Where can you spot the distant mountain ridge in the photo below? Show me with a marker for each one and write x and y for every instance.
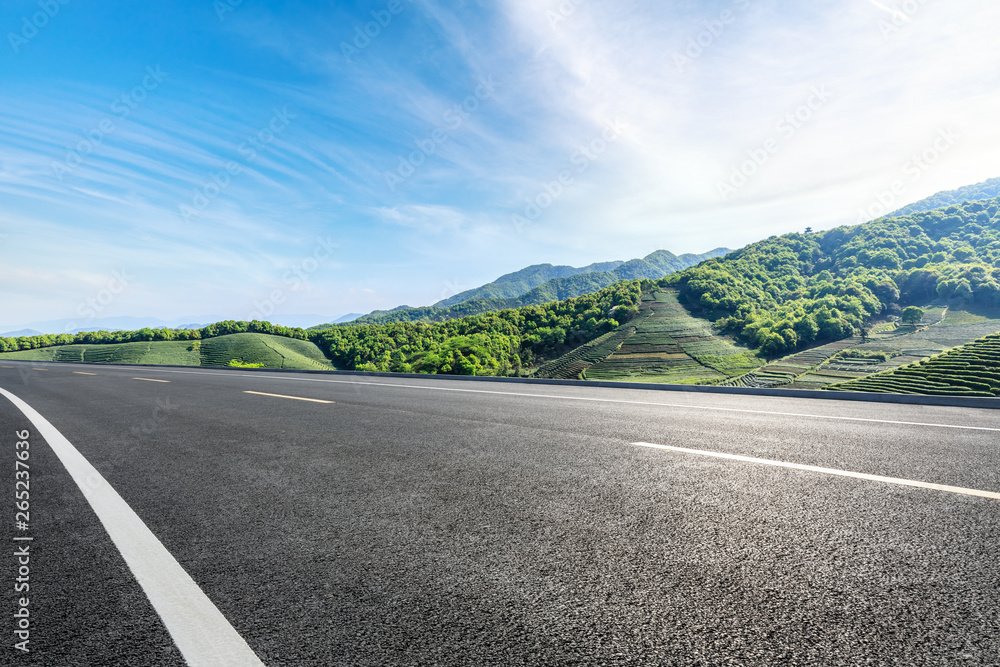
(570, 282)
(988, 189)
(515, 284)
(519, 283)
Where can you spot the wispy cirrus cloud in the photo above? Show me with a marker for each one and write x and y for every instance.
(692, 116)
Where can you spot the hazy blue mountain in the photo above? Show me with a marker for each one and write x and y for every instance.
(654, 266)
(520, 282)
(21, 332)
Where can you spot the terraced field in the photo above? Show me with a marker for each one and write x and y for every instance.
(174, 353)
(669, 345)
(572, 365)
(247, 348)
(793, 368)
(271, 351)
(940, 330)
(969, 370)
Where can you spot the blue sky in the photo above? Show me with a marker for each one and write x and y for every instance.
(230, 159)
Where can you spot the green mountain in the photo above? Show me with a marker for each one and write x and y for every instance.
(576, 282)
(519, 283)
(988, 189)
(515, 284)
(785, 292)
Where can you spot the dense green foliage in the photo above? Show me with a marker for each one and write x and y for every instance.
(986, 190)
(497, 343)
(970, 370)
(912, 315)
(786, 292)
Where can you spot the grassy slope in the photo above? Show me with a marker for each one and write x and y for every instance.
(177, 353)
(272, 351)
(664, 344)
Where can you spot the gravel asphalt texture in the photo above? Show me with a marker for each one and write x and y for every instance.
(436, 522)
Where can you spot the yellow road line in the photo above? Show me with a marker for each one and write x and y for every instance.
(150, 380)
(294, 398)
(82, 373)
(828, 471)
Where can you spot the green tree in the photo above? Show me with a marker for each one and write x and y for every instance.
(912, 315)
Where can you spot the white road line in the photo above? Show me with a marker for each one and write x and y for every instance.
(294, 398)
(827, 471)
(149, 380)
(599, 400)
(203, 635)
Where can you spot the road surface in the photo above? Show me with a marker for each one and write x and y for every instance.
(393, 521)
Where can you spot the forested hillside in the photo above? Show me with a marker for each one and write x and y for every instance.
(496, 343)
(989, 189)
(786, 292)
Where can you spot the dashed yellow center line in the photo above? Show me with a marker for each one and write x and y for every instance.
(151, 380)
(82, 373)
(6, 367)
(40, 369)
(294, 398)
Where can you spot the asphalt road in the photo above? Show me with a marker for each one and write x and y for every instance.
(437, 522)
